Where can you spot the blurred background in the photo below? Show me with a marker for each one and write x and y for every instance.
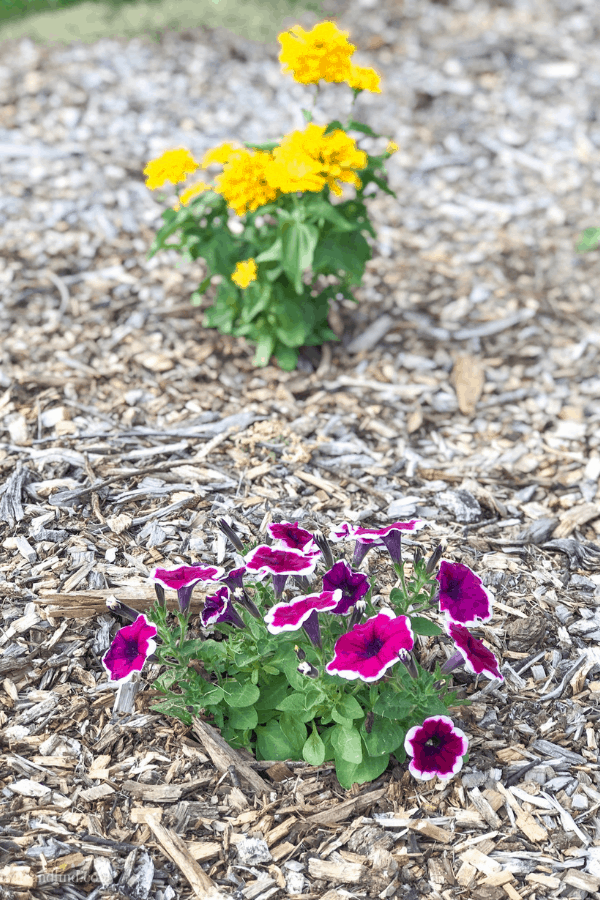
(91, 20)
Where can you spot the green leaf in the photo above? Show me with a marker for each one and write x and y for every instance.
(268, 145)
(368, 769)
(298, 704)
(390, 705)
(256, 301)
(396, 596)
(347, 744)
(287, 357)
(358, 126)
(294, 730)
(239, 695)
(420, 625)
(271, 254)
(349, 707)
(434, 707)
(588, 240)
(264, 349)
(273, 693)
(298, 246)
(307, 115)
(241, 719)
(340, 719)
(384, 736)
(337, 252)
(314, 748)
(271, 742)
(321, 208)
(333, 126)
(293, 322)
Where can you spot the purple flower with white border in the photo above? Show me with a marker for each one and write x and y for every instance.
(183, 579)
(292, 537)
(129, 650)
(437, 748)
(462, 595)
(280, 563)
(476, 657)
(302, 611)
(219, 608)
(390, 536)
(370, 649)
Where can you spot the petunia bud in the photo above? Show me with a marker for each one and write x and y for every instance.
(230, 533)
(357, 613)
(435, 557)
(117, 606)
(323, 545)
(160, 593)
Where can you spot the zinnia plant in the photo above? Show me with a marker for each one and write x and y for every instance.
(288, 232)
(317, 674)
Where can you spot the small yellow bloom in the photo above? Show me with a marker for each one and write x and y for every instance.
(190, 192)
(218, 155)
(324, 52)
(172, 166)
(392, 147)
(364, 79)
(245, 272)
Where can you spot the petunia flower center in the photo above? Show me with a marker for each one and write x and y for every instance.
(373, 647)
(452, 588)
(433, 742)
(131, 651)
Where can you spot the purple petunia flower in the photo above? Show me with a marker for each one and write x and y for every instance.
(366, 538)
(302, 611)
(129, 650)
(219, 608)
(371, 648)
(462, 594)
(437, 748)
(184, 579)
(353, 585)
(476, 656)
(292, 537)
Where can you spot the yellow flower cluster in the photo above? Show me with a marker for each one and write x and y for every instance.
(304, 160)
(245, 272)
(307, 161)
(323, 53)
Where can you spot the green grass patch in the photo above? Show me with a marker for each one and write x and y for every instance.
(65, 21)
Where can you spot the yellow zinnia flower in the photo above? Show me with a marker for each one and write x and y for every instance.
(323, 52)
(392, 147)
(190, 192)
(307, 160)
(245, 272)
(172, 166)
(364, 79)
(244, 182)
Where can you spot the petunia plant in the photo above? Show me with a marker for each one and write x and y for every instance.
(289, 670)
(266, 226)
